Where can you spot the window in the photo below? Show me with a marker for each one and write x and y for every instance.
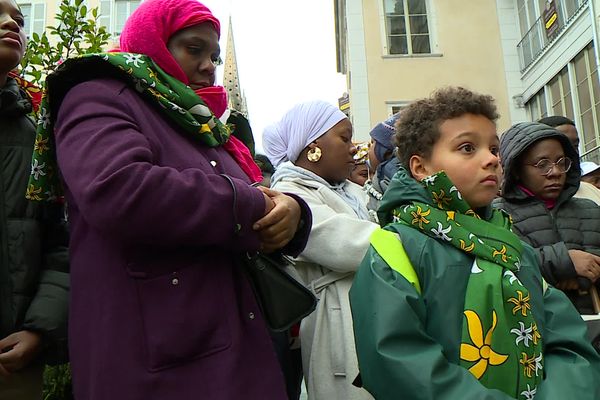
(537, 106)
(588, 97)
(122, 11)
(35, 18)
(114, 13)
(394, 107)
(574, 93)
(407, 29)
(561, 100)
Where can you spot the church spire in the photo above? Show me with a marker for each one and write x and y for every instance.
(231, 79)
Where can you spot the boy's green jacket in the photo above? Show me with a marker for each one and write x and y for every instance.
(408, 335)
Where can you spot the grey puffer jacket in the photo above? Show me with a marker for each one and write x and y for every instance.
(573, 223)
(34, 279)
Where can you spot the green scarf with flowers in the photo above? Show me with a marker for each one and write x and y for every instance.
(173, 98)
(501, 345)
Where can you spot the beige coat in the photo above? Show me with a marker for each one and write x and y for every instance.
(336, 246)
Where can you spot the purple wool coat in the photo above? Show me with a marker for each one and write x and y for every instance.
(158, 308)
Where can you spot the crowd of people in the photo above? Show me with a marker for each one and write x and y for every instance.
(449, 262)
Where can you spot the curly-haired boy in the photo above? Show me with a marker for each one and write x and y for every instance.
(448, 303)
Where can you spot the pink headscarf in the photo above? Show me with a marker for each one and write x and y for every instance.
(148, 30)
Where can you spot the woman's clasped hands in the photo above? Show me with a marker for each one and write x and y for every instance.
(280, 222)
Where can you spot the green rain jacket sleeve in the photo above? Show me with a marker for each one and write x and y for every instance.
(397, 358)
(571, 365)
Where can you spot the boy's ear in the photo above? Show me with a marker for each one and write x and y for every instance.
(417, 166)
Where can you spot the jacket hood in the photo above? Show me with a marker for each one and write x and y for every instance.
(404, 189)
(515, 141)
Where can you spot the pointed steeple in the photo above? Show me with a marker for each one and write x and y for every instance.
(231, 79)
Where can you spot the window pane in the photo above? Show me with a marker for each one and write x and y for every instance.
(569, 113)
(399, 7)
(531, 11)
(533, 108)
(416, 7)
(418, 25)
(589, 140)
(554, 91)
(595, 87)
(580, 68)
(523, 23)
(543, 106)
(120, 15)
(397, 26)
(39, 18)
(564, 77)
(585, 102)
(420, 44)
(398, 45)
(26, 10)
(393, 6)
(570, 7)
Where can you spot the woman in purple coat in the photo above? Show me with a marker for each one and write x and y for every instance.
(159, 307)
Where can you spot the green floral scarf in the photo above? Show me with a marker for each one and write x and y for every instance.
(173, 98)
(501, 345)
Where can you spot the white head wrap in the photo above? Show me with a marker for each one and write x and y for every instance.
(299, 127)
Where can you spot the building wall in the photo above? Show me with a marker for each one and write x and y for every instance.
(466, 50)
(42, 13)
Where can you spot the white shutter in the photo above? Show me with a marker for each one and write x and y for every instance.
(26, 10)
(38, 20)
(105, 12)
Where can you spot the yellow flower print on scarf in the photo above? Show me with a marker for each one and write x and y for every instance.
(441, 199)
(501, 253)
(419, 217)
(40, 145)
(33, 193)
(480, 351)
(531, 365)
(521, 303)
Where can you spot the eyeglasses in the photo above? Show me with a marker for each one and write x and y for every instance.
(545, 166)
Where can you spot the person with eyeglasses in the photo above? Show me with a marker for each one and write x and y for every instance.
(541, 175)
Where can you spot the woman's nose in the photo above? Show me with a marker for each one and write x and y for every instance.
(8, 23)
(208, 66)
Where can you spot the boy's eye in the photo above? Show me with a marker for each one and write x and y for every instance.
(20, 21)
(217, 60)
(467, 148)
(495, 151)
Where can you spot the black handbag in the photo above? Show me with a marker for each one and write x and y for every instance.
(283, 300)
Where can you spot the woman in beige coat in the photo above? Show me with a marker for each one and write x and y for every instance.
(312, 150)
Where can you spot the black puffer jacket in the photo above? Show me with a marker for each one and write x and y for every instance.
(573, 223)
(34, 280)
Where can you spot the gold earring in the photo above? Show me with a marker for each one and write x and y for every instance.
(314, 154)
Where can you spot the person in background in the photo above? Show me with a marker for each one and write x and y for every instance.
(312, 150)
(34, 266)
(541, 175)
(161, 210)
(360, 172)
(590, 173)
(448, 303)
(382, 162)
(266, 168)
(565, 125)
